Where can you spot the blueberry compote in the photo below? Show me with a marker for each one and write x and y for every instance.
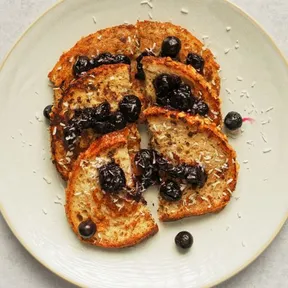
(173, 93)
(151, 164)
(84, 63)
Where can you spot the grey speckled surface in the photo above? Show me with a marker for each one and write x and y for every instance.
(19, 269)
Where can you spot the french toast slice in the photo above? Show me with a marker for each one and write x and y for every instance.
(154, 67)
(120, 39)
(120, 220)
(105, 84)
(187, 139)
(152, 34)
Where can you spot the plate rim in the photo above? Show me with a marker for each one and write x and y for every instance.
(74, 282)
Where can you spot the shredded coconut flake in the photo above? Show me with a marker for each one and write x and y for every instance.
(94, 19)
(184, 11)
(47, 180)
(150, 15)
(230, 99)
(228, 28)
(253, 84)
(229, 181)
(245, 161)
(239, 78)
(237, 46)
(226, 51)
(228, 90)
(44, 211)
(267, 150)
(269, 109)
(264, 137)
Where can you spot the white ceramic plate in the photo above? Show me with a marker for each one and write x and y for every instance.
(224, 243)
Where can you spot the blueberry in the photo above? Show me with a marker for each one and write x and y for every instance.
(87, 229)
(233, 120)
(47, 111)
(103, 127)
(140, 75)
(179, 171)
(101, 112)
(118, 120)
(196, 176)
(148, 178)
(81, 65)
(161, 163)
(108, 58)
(120, 58)
(112, 178)
(130, 106)
(165, 83)
(201, 108)
(144, 159)
(104, 59)
(184, 240)
(170, 191)
(195, 61)
(170, 47)
(181, 98)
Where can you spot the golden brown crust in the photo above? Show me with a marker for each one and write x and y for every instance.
(135, 214)
(151, 35)
(200, 88)
(209, 203)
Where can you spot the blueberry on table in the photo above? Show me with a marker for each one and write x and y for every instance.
(184, 240)
(233, 121)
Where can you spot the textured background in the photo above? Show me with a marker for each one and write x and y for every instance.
(19, 269)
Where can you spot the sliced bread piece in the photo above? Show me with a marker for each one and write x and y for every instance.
(105, 84)
(191, 140)
(120, 221)
(154, 67)
(152, 34)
